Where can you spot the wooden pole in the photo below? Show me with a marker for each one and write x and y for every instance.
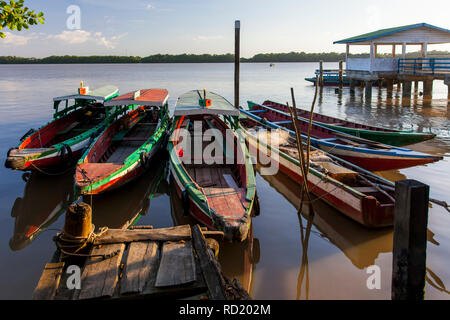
(237, 31)
(341, 73)
(410, 240)
(321, 73)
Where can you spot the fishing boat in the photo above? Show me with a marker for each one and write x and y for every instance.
(330, 78)
(61, 142)
(216, 181)
(365, 153)
(123, 151)
(355, 192)
(384, 135)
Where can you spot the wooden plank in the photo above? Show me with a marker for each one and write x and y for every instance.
(100, 275)
(142, 258)
(49, 282)
(177, 265)
(166, 234)
(209, 266)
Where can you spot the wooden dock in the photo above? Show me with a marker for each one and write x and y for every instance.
(140, 263)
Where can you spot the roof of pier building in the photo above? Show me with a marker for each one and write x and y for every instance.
(411, 34)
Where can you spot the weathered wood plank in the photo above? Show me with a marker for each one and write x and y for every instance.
(142, 258)
(49, 281)
(177, 265)
(209, 266)
(100, 275)
(165, 234)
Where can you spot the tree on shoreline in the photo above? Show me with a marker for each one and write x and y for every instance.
(15, 16)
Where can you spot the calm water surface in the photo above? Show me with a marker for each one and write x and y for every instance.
(287, 257)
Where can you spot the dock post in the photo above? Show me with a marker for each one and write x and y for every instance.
(352, 86)
(447, 82)
(341, 73)
(78, 223)
(427, 89)
(410, 240)
(368, 89)
(406, 89)
(237, 49)
(389, 87)
(416, 88)
(321, 73)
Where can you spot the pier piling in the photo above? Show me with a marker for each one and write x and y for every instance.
(368, 89)
(410, 240)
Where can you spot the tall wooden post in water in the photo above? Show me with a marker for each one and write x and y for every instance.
(237, 49)
(410, 240)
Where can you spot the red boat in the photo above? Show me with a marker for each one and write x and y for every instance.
(365, 153)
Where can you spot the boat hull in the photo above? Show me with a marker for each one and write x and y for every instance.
(361, 208)
(383, 135)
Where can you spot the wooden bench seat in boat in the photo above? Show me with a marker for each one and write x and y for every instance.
(96, 170)
(337, 172)
(366, 189)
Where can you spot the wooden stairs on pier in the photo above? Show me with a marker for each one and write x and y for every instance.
(143, 263)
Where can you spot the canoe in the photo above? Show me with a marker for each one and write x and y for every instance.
(61, 142)
(123, 151)
(365, 153)
(384, 135)
(215, 180)
(357, 193)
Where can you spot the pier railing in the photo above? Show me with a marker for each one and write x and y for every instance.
(431, 66)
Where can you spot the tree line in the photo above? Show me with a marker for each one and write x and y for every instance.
(203, 58)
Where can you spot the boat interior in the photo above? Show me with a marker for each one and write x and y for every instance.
(322, 162)
(127, 135)
(67, 127)
(217, 171)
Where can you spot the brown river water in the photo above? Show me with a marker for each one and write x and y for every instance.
(287, 256)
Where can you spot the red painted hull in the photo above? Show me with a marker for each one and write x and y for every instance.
(381, 164)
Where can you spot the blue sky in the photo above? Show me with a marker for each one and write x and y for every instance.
(145, 27)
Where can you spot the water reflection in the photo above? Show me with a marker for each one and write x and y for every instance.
(122, 208)
(362, 246)
(45, 198)
(237, 259)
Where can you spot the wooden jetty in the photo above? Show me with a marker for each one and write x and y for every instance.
(397, 68)
(142, 263)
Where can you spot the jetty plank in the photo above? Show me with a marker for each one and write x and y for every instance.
(100, 275)
(177, 265)
(143, 257)
(49, 282)
(208, 264)
(164, 234)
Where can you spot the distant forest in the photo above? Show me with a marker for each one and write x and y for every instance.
(202, 58)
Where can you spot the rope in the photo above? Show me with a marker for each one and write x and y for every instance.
(82, 242)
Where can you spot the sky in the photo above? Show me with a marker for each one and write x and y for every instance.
(146, 27)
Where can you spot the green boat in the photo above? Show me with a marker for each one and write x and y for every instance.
(62, 141)
(384, 135)
(124, 150)
(210, 164)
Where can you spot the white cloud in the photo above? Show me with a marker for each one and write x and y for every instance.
(149, 6)
(12, 39)
(207, 38)
(81, 36)
(72, 37)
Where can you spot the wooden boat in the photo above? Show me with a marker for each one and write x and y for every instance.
(123, 151)
(62, 141)
(330, 78)
(362, 152)
(353, 191)
(218, 189)
(384, 135)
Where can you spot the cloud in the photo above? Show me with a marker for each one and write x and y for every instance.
(149, 6)
(81, 36)
(207, 38)
(12, 39)
(72, 37)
